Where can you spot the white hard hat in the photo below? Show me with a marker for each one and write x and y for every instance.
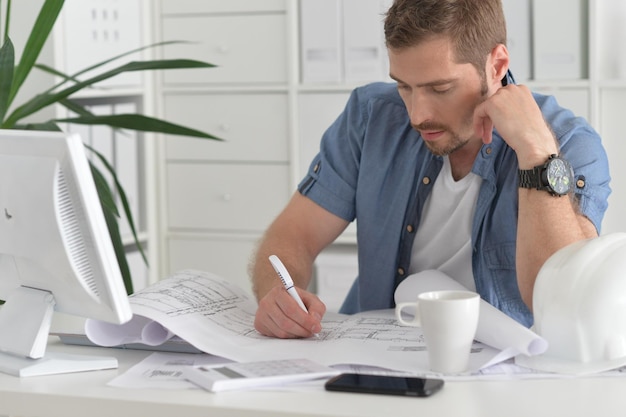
(579, 305)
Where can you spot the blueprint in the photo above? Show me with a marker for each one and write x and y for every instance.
(217, 317)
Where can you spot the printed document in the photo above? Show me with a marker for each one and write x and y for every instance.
(217, 317)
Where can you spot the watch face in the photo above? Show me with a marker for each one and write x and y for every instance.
(560, 176)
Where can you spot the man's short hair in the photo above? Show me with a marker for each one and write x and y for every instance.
(475, 27)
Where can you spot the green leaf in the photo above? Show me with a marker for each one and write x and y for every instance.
(50, 70)
(104, 191)
(138, 122)
(49, 126)
(75, 107)
(43, 100)
(120, 251)
(123, 199)
(38, 36)
(111, 216)
(74, 76)
(7, 63)
(7, 21)
(115, 58)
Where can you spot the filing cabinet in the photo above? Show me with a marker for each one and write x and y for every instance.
(219, 196)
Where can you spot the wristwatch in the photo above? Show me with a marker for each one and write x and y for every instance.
(555, 176)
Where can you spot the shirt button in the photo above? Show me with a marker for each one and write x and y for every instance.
(489, 150)
(426, 180)
(409, 228)
(580, 183)
(401, 271)
(316, 168)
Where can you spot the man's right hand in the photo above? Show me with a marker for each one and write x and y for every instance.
(279, 315)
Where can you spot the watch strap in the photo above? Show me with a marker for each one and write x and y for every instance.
(530, 178)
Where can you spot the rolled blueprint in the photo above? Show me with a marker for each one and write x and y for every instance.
(495, 328)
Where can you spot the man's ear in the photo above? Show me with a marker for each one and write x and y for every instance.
(497, 63)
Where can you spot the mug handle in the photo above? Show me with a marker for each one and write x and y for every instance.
(416, 319)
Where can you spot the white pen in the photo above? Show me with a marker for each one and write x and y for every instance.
(286, 279)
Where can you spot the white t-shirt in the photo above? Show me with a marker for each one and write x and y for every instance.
(443, 238)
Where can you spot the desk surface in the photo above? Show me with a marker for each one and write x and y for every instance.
(86, 394)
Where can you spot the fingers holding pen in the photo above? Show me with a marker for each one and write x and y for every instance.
(279, 315)
(270, 319)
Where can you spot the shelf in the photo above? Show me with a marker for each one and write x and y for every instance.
(98, 93)
(327, 88)
(557, 83)
(223, 88)
(129, 241)
(201, 235)
(621, 83)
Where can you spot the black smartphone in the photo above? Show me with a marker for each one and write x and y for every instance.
(382, 384)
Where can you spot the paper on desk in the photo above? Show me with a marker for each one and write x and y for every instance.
(138, 330)
(495, 328)
(187, 303)
(164, 371)
(217, 317)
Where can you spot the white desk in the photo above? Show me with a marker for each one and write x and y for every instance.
(86, 394)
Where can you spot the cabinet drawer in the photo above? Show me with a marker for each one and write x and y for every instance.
(173, 7)
(227, 257)
(254, 55)
(317, 113)
(223, 197)
(254, 126)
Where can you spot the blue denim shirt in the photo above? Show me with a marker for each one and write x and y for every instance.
(373, 167)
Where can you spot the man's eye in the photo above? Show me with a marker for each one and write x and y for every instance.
(440, 90)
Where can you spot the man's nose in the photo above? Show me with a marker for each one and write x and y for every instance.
(419, 108)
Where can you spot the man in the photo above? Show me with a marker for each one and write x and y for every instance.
(439, 173)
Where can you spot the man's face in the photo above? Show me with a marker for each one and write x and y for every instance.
(439, 94)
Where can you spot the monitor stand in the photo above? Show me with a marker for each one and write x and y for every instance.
(23, 351)
(53, 363)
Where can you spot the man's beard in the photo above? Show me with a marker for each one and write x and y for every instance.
(456, 143)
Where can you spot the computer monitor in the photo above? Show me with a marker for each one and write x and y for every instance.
(55, 251)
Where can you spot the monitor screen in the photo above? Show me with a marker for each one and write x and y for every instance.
(55, 250)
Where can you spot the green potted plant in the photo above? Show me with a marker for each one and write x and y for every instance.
(12, 116)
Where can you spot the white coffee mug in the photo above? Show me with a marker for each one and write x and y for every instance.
(448, 320)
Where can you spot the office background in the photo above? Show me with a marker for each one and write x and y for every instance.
(285, 69)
